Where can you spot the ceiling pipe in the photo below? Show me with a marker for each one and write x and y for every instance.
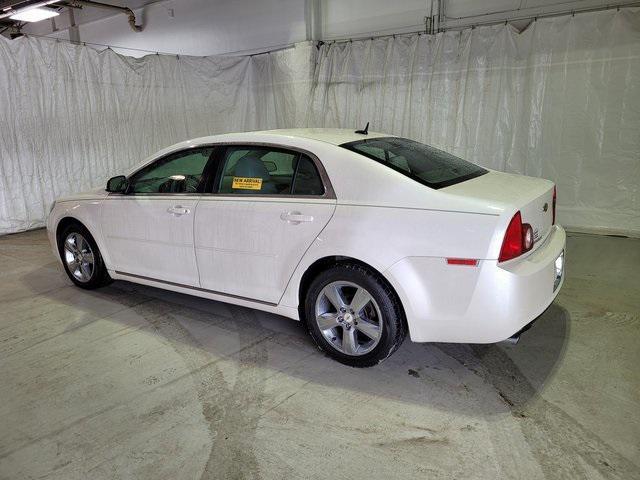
(107, 6)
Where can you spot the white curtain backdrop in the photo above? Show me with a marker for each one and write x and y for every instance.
(71, 117)
(560, 100)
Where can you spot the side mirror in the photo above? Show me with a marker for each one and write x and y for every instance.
(117, 184)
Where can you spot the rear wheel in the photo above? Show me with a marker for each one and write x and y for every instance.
(81, 258)
(354, 316)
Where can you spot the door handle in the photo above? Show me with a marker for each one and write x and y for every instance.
(295, 217)
(178, 210)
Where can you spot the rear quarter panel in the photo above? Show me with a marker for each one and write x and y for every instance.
(381, 236)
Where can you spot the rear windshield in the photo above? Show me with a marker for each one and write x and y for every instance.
(425, 164)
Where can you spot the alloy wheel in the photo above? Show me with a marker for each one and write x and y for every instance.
(349, 318)
(78, 256)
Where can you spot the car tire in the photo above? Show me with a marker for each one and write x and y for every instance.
(81, 258)
(354, 336)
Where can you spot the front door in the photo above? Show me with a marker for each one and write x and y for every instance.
(269, 205)
(149, 230)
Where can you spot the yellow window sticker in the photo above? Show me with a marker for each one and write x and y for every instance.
(247, 183)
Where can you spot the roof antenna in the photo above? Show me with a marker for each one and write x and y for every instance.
(365, 131)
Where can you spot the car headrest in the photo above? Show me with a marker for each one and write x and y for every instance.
(252, 167)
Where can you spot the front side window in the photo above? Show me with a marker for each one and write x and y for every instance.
(423, 163)
(180, 172)
(268, 171)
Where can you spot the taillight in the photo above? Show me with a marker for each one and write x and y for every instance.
(518, 239)
(553, 206)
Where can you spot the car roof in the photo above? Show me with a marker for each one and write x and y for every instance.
(335, 136)
(330, 136)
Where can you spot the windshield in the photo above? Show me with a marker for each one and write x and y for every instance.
(425, 164)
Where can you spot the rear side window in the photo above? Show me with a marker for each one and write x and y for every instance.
(423, 163)
(268, 171)
(307, 180)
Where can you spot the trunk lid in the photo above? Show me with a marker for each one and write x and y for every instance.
(509, 193)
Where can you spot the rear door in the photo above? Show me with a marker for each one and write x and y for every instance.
(267, 206)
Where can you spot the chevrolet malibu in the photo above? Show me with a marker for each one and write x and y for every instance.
(364, 237)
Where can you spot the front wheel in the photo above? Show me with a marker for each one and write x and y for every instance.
(354, 316)
(81, 258)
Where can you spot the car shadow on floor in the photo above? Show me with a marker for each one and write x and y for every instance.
(471, 379)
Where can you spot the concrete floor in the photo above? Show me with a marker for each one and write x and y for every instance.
(135, 382)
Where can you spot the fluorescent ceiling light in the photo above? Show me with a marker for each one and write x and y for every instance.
(34, 14)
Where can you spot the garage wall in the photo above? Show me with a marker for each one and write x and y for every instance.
(560, 101)
(189, 27)
(72, 117)
(205, 27)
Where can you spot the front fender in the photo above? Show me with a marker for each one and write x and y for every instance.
(86, 212)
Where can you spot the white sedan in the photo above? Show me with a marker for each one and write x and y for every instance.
(362, 236)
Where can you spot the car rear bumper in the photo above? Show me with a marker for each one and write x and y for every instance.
(486, 303)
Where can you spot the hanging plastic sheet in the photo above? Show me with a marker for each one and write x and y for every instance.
(560, 100)
(71, 117)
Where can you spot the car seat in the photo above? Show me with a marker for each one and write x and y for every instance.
(251, 166)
